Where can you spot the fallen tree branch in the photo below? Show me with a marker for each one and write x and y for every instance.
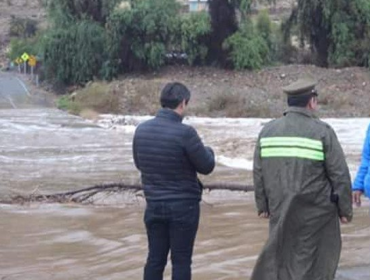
(83, 195)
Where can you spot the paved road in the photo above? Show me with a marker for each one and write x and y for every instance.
(13, 92)
(15, 95)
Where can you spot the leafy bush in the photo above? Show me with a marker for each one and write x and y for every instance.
(64, 103)
(63, 12)
(99, 97)
(74, 54)
(18, 47)
(96, 96)
(336, 30)
(139, 36)
(264, 25)
(248, 50)
(279, 51)
(193, 32)
(351, 35)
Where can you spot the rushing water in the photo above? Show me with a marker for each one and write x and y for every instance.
(48, 151)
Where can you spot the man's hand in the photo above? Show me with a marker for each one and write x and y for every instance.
(264, 215)
(356, 198)
(344, 220)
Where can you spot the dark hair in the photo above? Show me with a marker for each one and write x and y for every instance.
(173, 94)
(299, 101)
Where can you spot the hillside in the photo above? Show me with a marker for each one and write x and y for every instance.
(19, 9)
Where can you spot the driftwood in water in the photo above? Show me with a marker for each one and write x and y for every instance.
(84, 195)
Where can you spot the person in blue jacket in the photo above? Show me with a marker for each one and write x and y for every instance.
(362, 182)
(169, 155)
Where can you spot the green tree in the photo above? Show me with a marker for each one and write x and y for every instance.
(140, 36)
(350, 34)
(62, 12)
(74, 54)
(248, 49)
(193, 34)
(73, 48)
(224, 24)
(337, 31)
(19, 46)
(264, 25)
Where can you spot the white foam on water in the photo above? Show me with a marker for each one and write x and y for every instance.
(239, 163)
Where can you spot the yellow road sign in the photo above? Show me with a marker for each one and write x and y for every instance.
(32, 61)
(18, 60)
(25, 57)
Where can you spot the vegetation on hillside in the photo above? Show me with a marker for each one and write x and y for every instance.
(88, 39)
(337, 32)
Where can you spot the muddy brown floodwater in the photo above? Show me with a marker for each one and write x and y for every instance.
(48, 151)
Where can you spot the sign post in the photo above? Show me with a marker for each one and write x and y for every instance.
(25, 58)
(19, 61)
(32, 63)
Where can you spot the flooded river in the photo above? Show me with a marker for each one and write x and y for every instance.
(48, 151)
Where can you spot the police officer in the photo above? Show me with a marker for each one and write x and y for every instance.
(302, 184)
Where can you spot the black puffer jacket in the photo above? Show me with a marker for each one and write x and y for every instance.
(169, 154)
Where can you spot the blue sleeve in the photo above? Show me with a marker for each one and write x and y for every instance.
(134, 148)
(202, 158)
(358, 184)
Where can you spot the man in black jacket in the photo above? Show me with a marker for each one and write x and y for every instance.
(169, 154)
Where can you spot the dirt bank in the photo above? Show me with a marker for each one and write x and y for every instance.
(219, 93)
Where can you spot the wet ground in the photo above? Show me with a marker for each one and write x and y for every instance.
(47, 151)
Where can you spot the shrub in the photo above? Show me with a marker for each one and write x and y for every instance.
(97, 97)
(194, 31)
(63, 12)
(74, 54)
(139, 36)
(248, 50)
(236, 105)
(336, 30)
(264, 25)
(351, 36)
(74, 48)
(19, 46)
(66, 103)
(279, 51)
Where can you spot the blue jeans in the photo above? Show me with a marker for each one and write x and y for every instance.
(171, 225)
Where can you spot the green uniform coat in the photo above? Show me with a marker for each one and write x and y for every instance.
(302, 180)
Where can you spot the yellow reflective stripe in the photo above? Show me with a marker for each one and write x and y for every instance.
(292, 152)
(292, 141)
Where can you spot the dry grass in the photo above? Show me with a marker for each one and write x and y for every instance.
(221, 93)
(127, 96)
(95, 98)
(140, 97)
(89, 114)
(336, 101)
(232, 105)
